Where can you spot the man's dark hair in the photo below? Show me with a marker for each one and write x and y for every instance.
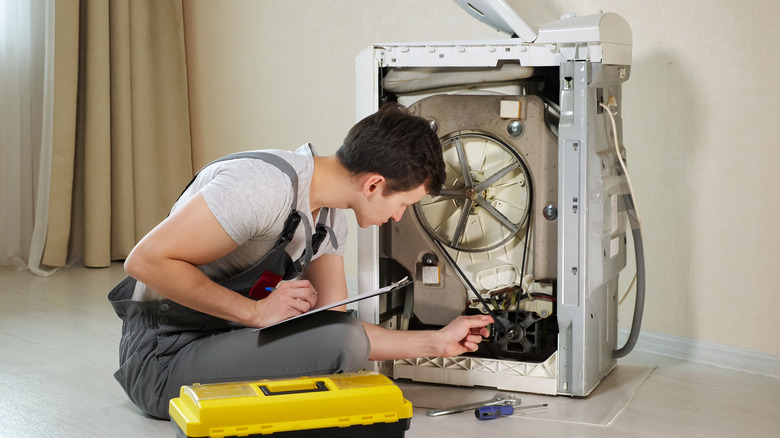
(397, 145)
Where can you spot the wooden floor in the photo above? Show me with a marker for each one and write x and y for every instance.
(58, 339)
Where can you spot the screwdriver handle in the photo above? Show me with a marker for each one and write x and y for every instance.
(491, 412)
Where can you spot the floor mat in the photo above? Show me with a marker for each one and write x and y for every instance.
(600, 408)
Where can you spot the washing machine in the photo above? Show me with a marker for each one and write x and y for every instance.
(531, 225)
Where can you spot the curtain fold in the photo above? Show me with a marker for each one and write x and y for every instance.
(38, 239)
(26, 72)
(121, 143)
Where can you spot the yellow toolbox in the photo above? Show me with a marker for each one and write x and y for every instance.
(362, 404)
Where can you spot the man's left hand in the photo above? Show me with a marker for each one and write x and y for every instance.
(463, 334)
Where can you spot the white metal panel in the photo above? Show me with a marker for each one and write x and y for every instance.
(366, 103)
(602, 28)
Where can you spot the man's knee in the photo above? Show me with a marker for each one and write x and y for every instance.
(343, 335)
(356, 345)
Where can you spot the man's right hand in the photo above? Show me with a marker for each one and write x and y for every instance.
(289, 299)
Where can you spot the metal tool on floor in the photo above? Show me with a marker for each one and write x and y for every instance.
(499, 399)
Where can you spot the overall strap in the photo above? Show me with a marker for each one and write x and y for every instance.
(323, 230)
(291, 224)
(275, 160)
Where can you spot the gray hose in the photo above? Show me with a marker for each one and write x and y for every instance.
(639, 305)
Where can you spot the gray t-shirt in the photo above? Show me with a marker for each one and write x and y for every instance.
(251, 200)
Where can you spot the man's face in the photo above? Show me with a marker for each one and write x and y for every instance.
(381, 208)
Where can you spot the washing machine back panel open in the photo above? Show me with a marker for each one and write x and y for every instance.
(528, 225)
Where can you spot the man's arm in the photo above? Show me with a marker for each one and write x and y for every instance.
(326, 275)
(166, 259)
(458, 337)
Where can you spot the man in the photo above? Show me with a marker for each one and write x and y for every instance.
(209, 273)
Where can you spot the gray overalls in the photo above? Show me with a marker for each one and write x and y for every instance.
(166, 345)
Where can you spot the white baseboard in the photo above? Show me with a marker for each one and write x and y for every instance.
(710, 353)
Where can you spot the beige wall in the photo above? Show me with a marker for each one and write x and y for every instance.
(699, 126)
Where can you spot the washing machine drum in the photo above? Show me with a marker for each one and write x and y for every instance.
(487, 196)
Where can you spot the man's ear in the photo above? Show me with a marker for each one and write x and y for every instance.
(374, 183)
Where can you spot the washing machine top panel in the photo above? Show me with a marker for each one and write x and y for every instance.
(602, 37)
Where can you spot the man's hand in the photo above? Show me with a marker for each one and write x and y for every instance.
(290, 298)
(463, 334)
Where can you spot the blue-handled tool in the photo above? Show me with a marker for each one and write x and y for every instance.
(491, 412)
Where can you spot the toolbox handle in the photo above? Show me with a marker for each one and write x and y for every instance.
(319, 387)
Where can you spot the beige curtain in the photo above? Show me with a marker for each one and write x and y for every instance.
(121, 143)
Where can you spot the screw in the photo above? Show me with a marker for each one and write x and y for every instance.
(515, 128)
(550, 212)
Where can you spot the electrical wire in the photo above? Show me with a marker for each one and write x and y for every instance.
(636, 228)
(628, 289)
(630, 188)
(628, 180)
(620, 159)
(522, 267)
(542, 296)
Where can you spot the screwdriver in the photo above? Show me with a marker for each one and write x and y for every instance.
(491, 412)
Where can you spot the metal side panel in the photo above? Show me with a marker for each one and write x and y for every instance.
(572, 141)
(367, 102)
(591, 250)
